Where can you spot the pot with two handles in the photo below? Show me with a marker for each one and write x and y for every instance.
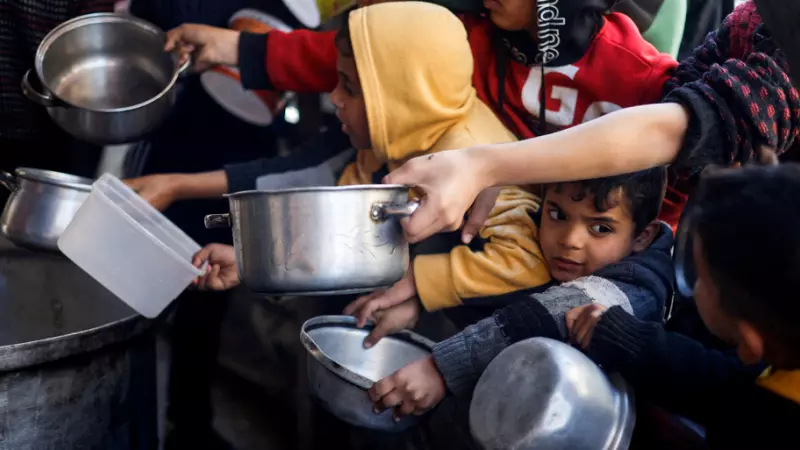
(105, 77)
(324, 240)
(41, 206)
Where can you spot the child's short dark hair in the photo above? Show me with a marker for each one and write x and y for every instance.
(343, 42)
(644, 190)
(748, 222)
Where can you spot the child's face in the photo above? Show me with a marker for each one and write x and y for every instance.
(749, 342)
(349, 101)
(513, 15)
(578, 240)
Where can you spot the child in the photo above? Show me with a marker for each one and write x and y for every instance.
(399, 97)
(600, 241)
(746, 293)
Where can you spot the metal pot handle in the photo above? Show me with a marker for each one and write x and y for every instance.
(8, 181)
(43, 99)
(217, 221)
(385, 211)
(184, 67)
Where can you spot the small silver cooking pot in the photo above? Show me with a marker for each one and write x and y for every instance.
(543, 394)
(314, 241)
(41, 205)
(341, 370)
(105, 77)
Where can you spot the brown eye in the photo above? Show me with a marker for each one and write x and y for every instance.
(557, 214)
(601, 229)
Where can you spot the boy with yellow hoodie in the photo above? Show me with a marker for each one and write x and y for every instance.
(398, 97)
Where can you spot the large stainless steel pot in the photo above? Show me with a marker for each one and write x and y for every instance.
(546, 395)
(312, 241)
(106, 78)
(341, 370)
(41, 205)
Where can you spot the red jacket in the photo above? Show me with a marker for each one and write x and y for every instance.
(620, 69)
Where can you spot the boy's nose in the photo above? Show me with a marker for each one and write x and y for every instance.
(336, 99)
(573, 239)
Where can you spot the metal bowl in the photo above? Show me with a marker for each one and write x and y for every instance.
(544, 394)
(341, 370)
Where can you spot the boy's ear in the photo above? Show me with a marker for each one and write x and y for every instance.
(750, 343)
(645, 238)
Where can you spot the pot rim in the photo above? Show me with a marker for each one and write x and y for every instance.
(94, 18)
(29, 353)
(356, 187)
(55, 178)
(350, 322)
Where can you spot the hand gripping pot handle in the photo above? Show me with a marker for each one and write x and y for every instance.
(385, 211)
(212, 221)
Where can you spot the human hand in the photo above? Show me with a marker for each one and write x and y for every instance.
(413, 389)
(401, 317)
(221, 272)
(207, 45)
(479, 213)
(450, 182)
(161, 190)
(581, 322)
(364, 308)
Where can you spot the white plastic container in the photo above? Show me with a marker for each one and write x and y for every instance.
(130, 247)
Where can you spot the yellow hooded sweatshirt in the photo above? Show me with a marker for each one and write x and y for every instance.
(415, 67)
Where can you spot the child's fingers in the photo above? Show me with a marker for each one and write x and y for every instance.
(381, 388)
(391, 400)
(213, 278)
(201, 256)
(354, 306)
(585, 325)
(405, 409)
(173, 38)
(571, 317)
(207, 282)
(382, 328)
(479, 213)
(386, 300)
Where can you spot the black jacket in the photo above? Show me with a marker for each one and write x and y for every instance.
(709, 387)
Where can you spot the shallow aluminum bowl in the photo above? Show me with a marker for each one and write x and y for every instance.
(341, 370)
(543, 394)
